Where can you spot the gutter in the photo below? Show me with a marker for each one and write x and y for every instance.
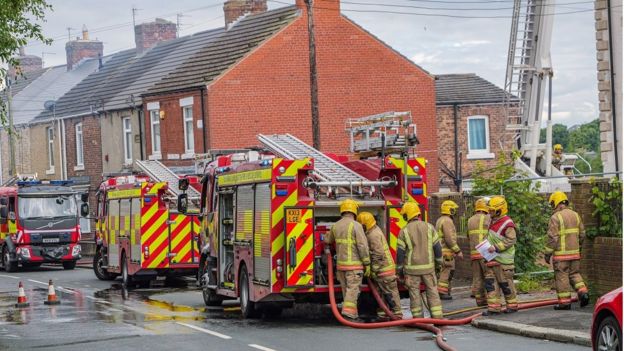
(456, 140)
(139, 113)
(203, 116)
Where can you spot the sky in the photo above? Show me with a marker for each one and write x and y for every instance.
(428, 32)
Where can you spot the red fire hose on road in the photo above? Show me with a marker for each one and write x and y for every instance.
(421, 323)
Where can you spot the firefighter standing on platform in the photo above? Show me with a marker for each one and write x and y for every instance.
(565, 237)
(383, 269)
(502, 236)
(418, 250)
(352, 256)
(477, 231)
(446, 231)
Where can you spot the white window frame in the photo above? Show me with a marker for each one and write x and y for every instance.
(479, 153)
(126, 128)
(188, 151)
(50, 139)
(156, 113)
(79, 136)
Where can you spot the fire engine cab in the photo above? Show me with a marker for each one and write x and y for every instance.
(265, 215)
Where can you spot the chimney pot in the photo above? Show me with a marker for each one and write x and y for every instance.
(81, 48)
(27, 63)
(85, 32)
(235, 9)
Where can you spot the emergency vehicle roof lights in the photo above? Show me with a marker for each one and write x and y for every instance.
(28, 182)
(265, 163)
(61, 182)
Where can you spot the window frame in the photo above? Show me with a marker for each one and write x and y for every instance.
(185, 119)
(156, 113)
(127, 142)
(50, 144)
(474, 154)
(79, 141)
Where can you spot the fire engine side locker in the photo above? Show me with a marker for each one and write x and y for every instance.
(182, 235)
(299, 247)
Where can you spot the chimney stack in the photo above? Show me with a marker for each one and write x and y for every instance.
(27, 63)
(235, 9)
(82, 48)
(147, 35)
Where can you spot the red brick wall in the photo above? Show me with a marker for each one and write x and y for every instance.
(601, 264)
(446, 144)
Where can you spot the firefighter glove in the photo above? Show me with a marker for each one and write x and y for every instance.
(367, 271)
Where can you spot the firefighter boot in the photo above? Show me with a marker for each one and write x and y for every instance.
(561, 307)
(584, 299)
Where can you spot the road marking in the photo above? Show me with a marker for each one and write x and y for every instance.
(260, 347)
(36, 281)
(9, 276)
(66, 290)
(213, 333)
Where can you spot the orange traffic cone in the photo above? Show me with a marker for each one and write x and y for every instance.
(21, 297)
(52, 300)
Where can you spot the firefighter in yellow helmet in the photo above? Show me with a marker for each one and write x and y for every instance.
(448, 235)
(352, 256)
(557, 155)
(418, 251)
(565, 237)
(383, 269)
(477, 231)
(502, 237)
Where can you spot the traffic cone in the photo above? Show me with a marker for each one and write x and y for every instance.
(52, 300)
(21, 297)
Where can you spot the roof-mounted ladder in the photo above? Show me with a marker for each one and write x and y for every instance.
(161, 173)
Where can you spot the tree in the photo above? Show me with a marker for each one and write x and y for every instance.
(560, 135)
(18, 26)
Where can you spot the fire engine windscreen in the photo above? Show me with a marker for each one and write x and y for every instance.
(36, 212)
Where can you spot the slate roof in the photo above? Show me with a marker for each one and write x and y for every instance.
(466, 88)
(23, 81)
(226, 49)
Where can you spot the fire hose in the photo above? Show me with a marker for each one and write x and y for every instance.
(421, 323)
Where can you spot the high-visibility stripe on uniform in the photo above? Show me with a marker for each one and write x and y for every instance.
(480, 232)
(562, 254)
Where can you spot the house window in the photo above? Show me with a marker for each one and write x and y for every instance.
(155, 123)
(50, 138)
(189, 140)
(127, 141)
(79, 146)
(478, 138)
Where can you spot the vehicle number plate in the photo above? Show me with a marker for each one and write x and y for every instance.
(51, 240)
(293, 216)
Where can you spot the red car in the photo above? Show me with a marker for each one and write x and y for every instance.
(607, 322)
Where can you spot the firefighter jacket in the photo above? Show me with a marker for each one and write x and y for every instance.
(502, 234)
(382, 263)
(419, 246)
(477, 232)
(448, 236)
(565, 235)
(351, 245)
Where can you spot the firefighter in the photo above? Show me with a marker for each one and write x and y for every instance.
(502, 236)
(418, 251)
(446, 231)
(557, 155)
(383, 269)
(352, 256)
(565, 237)
(477, 231)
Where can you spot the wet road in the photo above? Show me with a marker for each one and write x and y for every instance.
(96, 315)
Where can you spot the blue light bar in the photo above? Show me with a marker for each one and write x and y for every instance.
(417, 191)
(61, 182)
(281, 192)
(28, 182)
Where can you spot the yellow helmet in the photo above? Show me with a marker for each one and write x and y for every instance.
(558, 147)
(367, 220)
(410, 210)
(556, 198)
(481, 205)
(349, 205)
(449, 208)
(498, 205)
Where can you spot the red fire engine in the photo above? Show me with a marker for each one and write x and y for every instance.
(39, 223)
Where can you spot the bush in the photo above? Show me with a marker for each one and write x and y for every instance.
(607, 199)
(529, 211)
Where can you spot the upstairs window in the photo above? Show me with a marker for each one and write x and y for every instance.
(189, 139)
(127, 140)
(79, 146)
(155, 131)
(50, 139)
(478, 138)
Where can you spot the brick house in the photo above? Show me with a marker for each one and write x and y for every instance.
(470, 116)
(255, 78)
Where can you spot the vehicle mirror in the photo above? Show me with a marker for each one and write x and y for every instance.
(183, 184)
(11, 216)
(84, 197)
(4, 201)
(182, 203)
(84, 209)
(4, 212)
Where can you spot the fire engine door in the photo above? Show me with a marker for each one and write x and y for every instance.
(299, 247)
(182, 244)
(113, 233)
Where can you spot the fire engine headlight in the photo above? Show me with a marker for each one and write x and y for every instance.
(281, 169)
(76, 250)
(416, 169)
(24, 252)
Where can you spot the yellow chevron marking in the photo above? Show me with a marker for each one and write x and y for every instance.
(161, 256)
(150, 212)
(156, 187)
(306, 279)
(294, 167)
(147, 234)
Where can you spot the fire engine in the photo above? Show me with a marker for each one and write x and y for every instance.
(138, 235)
(39, 223)
(265, 215)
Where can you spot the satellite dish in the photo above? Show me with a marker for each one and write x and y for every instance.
(49, 105)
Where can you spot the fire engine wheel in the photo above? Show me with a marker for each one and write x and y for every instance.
(126, 279)
(6, 261)
(98, 264)
(210, 295)
(248, 307)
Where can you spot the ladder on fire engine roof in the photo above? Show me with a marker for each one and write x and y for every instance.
(161, 173)
(289, 147)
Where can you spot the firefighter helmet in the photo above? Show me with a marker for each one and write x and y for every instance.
(558, 147)
(481, 205)
(498, 205)
(349, 205)
(556, 198)
(410, 210)
(449, 208)
(367, 220)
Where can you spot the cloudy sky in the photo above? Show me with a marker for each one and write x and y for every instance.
(443, 36)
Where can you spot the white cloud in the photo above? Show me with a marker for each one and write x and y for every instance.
(423, 58)
(470, 43)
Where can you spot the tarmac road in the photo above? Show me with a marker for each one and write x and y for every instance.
(97, 315)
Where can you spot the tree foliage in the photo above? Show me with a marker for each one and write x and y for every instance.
(585, 138)
(527, 208)
(560, 134)
(607, 200)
